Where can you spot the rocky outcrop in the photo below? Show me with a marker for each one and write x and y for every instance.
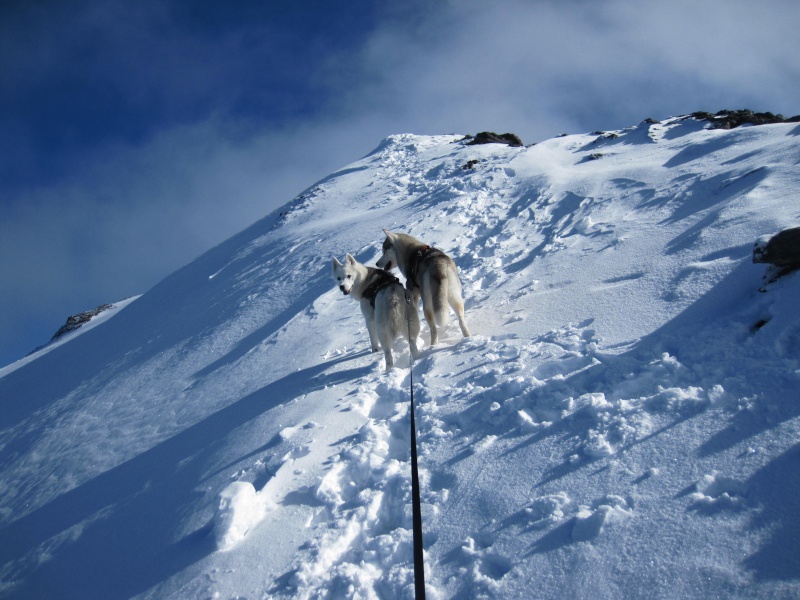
(76, 321)
(781, 252)
(730, 119)
(489, 137)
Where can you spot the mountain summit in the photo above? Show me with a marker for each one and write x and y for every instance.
(623, 423)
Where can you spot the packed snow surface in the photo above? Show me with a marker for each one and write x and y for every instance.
(623, 423)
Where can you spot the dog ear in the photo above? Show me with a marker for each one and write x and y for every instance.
(350, 259)
(389, 234)
(336, 264)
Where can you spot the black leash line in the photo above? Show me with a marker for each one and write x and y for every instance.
(416, 520)
(419, 565)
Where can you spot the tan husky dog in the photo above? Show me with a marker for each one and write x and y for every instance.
(431, 275)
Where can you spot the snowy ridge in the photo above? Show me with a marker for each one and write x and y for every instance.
(93, 321)
(623, 423)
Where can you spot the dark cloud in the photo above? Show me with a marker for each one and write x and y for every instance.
(81, 75)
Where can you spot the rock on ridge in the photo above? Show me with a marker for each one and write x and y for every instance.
(730, 119)
(77, 321)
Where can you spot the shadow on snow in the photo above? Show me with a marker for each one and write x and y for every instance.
(118, 526)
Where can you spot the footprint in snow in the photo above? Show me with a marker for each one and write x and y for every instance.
(715, 492)
(591, 521)
(488, 566)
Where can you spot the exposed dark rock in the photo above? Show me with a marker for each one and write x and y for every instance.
(470, 164)
(604, 136)
(758, 325)
(781, 251)
(729, 119)
(76, 321)
(488, 137)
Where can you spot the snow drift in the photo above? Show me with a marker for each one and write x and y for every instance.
(624, 421)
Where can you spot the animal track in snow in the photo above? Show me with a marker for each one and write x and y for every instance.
(546, 510)
(365, 537)
(717, 492)
(487, 565)
(590, 521)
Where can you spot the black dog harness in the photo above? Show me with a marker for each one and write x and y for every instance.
(413, 267)
(383, 280)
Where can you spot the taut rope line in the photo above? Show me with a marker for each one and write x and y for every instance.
(419, 564)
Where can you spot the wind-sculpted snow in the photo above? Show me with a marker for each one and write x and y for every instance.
(622, 423)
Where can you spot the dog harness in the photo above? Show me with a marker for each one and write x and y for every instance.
(420, 255)
(384, 279)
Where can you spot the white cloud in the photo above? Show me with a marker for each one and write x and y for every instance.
(536, 66)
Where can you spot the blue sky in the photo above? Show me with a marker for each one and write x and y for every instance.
(136, 135)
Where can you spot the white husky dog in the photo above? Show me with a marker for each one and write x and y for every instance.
(383, 303)
(430, 274)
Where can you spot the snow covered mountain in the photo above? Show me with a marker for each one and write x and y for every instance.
(624, 422)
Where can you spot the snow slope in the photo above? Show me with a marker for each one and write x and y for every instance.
(624, 422)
